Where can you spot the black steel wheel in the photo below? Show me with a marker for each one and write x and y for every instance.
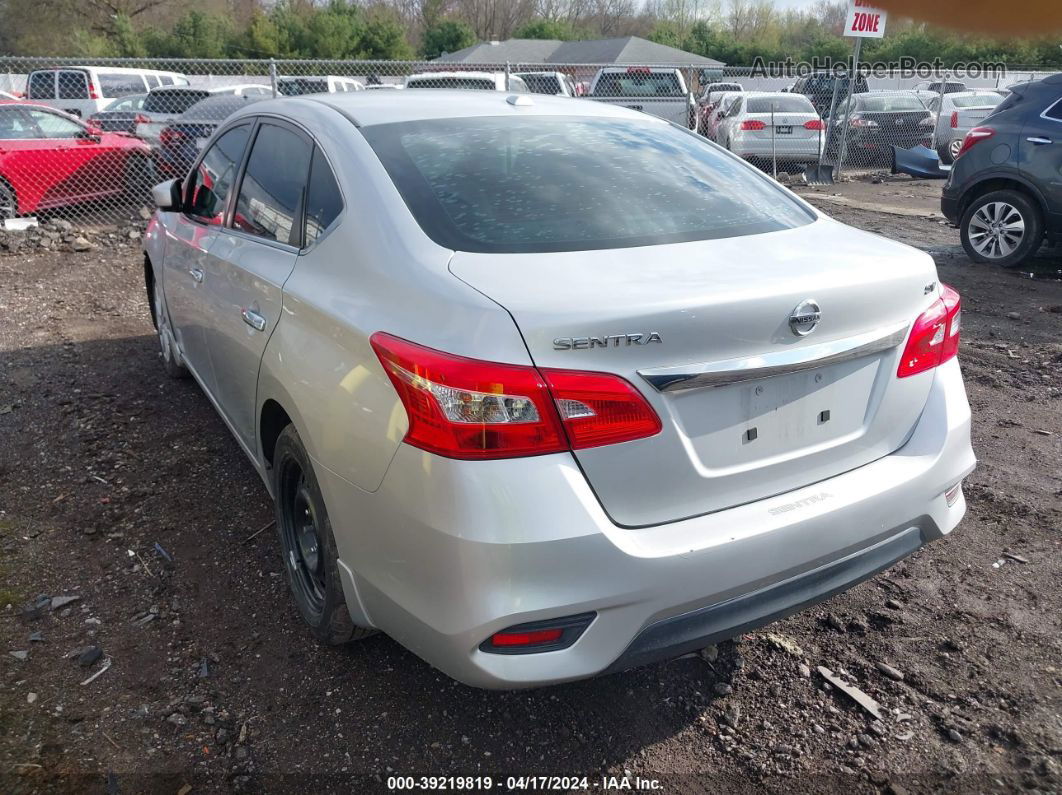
(308, 546)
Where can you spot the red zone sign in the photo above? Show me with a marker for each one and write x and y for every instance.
(864, 20)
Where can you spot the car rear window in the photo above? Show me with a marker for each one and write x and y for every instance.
(292, 87)
(789, 104)
(473, 83)
(42, 85)
(977, 101)
(499, 185)
(73, 85)
(114, 84)
(173, 100)
(638, 84)
(542, 84)
(888, 104)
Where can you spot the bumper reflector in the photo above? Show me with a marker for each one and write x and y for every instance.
(538, 636)
(952, 494)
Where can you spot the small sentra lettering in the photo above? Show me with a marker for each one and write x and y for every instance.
(609, 341)
(792, 506)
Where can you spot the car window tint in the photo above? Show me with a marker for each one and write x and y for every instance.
(73, 85)
(42, 85)
(636, 83)
(789, 104)
(323, 199)
(52, 125)
(15, 125)
(1054, 112)
(273, 185)
(539, 184)
(173, 100)
(115, 84)
(217, 171)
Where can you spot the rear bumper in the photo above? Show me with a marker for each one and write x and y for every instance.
(949, 205)
(784, 148)
(446, 553)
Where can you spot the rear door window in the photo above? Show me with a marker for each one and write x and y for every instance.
(42, 85)
(217, 171)
(73, 85)
(172, 101)
(324, 202)
(271, 193)
(16, 125)
(52, 125)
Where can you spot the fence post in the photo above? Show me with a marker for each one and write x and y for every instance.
(940, 109)
(273, 75)
(830, 121)
(507, 71)
(691, 100)
(774, 146)
(848, 105)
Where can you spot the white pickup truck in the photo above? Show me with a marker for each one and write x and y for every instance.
(655, 90)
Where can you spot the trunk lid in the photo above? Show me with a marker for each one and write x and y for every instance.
(786, 126)
(724, 305)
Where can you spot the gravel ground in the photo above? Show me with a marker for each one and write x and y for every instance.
(124, 490)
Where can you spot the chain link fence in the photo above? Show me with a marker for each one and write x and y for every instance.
(83, 141)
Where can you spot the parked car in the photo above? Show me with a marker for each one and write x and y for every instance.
(475, 81)
(780, 126)
(819, 88)
(928, 88)
(879, 120)
(85, 90)
(122, 115)
(658, 91)
(716, 117)
(164, 105)
(709, 99)
(549, 390)
(955, 115)
(317, 84)
(181, 142)
(49, 159)
(1003, 191)
(556, 83)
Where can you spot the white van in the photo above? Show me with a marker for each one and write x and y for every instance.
(292, 86)
(85, 90)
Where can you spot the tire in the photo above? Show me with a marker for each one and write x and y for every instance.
(308, 547)
(1003, 227)
(139, 176)
(945, 155)
(171, 356)
(8, 202)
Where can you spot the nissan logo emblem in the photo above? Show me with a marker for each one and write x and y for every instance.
(805, 317)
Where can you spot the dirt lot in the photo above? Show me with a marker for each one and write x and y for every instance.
(124, 489)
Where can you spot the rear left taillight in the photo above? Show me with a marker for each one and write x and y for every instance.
(814, 124)
(934, 337)
(753, 124)
(170, 136)
(955, 120)
(470, 409)
(975, 136)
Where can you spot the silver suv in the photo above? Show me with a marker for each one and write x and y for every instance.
(545, 388)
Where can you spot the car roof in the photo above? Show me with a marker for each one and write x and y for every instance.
(219, 108)
(367, 108)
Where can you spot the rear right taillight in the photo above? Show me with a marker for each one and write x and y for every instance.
(934, 337)
(975, 136)
(470, 409)
(170, 136)
(140, 118)
(814, 124)
(955, 120)
(753, 124)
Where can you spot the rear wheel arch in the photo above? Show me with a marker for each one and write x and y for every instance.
(991, 184)
(272, 421)
(6, 186)
(149, 285)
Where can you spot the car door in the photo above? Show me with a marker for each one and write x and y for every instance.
(250, 262)
(91, 165)
(191, 235)
(1040, 155)
(53, 159)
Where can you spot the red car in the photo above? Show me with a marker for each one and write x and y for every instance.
(49, 159)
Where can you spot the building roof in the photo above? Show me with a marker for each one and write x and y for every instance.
(625, 50)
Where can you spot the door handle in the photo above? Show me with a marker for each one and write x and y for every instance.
(253, 319)
(197, 274)
(1035, 139)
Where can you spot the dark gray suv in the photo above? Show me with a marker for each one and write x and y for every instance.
(1004, 191)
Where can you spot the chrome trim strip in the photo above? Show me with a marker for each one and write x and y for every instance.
(791, 360)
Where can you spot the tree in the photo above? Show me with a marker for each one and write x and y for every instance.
(384, 38)
(449, 35)
(547, 29)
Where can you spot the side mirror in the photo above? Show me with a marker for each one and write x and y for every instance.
(167, 195)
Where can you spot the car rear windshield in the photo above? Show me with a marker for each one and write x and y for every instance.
(889, 104)
(173, 100)
(291, 87)
(789, 104)
(977, 101)
(473, 83)
(542, 84)
(507, 185)
(638, 84)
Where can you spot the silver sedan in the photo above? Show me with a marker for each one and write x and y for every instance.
(544, 388)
